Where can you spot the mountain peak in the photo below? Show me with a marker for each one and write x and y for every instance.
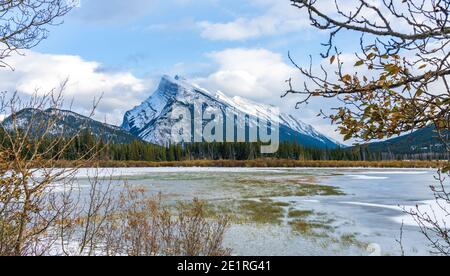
(151, 121)
(178, 85)
(178, 78)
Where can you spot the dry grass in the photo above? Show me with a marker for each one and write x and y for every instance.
(142, 226)
(263, 211)
(299, 213)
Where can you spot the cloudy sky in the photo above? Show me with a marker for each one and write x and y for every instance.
(121, 49)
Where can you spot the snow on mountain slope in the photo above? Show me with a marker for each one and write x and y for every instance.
(151, 121)
(64, 122)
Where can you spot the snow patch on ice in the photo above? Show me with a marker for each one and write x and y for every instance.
(362, 204)
(397, 172)
(438, 211)
(366, 177)
(432, 208)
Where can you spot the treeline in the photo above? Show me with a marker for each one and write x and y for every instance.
(138, 151)
(86, 146)
(141, 151)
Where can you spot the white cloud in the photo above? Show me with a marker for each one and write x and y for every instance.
(114, 10)
(37, 72)
(280, 17)
(241, 28)
(251, 73)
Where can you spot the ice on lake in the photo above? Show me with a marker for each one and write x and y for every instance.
(370, 213)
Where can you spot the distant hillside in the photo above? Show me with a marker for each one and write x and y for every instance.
(69, 123)
(421, 141)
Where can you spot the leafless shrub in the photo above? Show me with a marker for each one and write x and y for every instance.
(143, 226)
(28, 151)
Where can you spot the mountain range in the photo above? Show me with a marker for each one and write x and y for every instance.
(424, 140)
(151, 121)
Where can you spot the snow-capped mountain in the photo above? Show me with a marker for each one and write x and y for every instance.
(63, 122)
(151, 121)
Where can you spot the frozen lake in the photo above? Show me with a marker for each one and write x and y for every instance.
(299, 211)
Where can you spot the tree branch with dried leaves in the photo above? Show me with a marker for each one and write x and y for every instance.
(397, 82)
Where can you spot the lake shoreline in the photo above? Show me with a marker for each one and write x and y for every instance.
(259, 163)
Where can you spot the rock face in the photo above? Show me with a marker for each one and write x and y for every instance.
(67, 123)
(151, 121)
